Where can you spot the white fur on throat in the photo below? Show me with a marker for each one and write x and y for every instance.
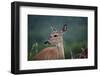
(60, 48)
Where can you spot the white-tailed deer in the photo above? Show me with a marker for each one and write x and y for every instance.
(84, 53)
(56, 52)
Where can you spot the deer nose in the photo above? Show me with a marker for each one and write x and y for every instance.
(46, 42)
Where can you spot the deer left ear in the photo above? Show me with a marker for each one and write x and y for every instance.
(53, 28)
(64, 28)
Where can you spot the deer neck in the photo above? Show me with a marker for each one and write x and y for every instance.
(60, 48)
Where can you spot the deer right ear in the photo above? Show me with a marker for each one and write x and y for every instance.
(64, 28)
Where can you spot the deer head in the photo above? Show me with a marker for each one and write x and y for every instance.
(56, 36)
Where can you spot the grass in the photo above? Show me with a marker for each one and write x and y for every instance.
(71, 50)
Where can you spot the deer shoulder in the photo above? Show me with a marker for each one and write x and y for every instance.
(47, 54)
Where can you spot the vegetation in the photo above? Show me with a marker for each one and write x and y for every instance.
(71, 51)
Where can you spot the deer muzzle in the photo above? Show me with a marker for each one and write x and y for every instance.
(46, 42)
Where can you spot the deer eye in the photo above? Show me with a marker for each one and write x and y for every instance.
(55, 35)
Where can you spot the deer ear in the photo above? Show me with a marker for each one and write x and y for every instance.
(53, 28)
(64, 28)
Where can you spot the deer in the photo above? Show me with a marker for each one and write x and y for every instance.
(57, 50)
(84, 53)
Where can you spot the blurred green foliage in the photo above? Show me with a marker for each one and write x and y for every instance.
(39, 30)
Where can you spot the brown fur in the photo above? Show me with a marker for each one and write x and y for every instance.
(48, 54)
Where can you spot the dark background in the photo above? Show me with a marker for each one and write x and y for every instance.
(39, 29)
